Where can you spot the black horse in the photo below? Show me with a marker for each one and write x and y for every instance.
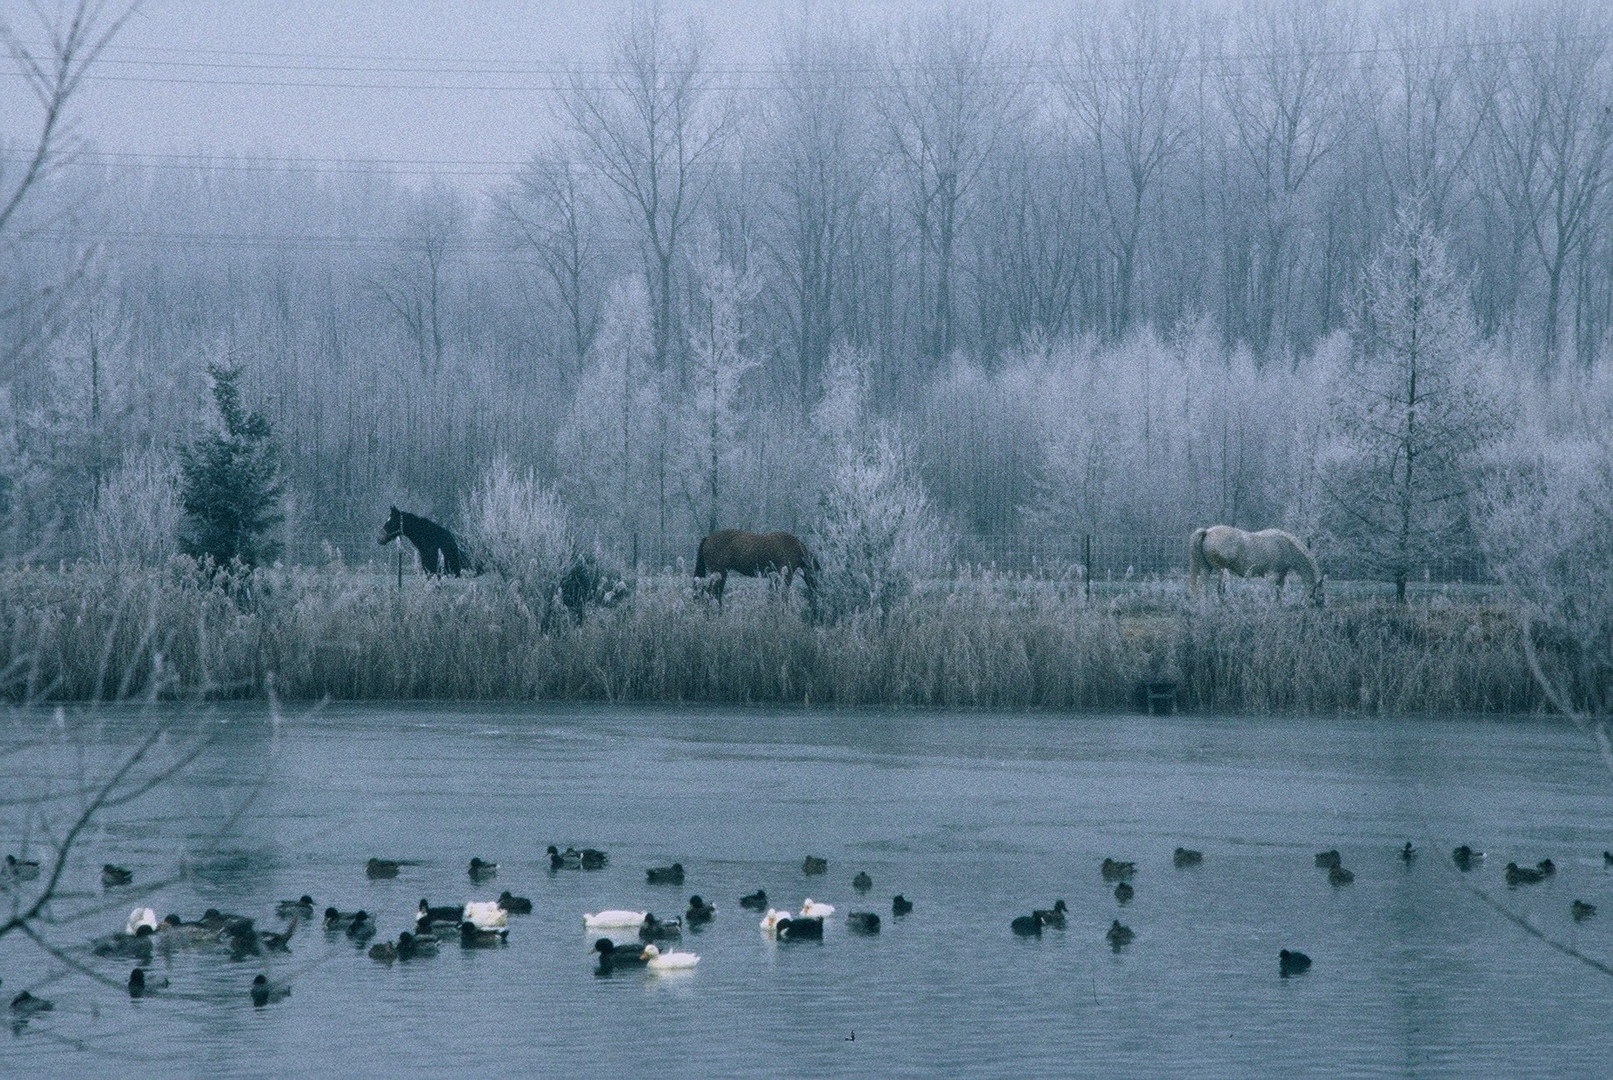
(754, 555)
(439, 552)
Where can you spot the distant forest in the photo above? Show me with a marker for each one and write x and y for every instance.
(1111, 279)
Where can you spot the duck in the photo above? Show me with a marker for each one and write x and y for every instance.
(862, 882)
(21, 870)
(480, 869)
(1290, 962)
(1546, 867)
(1026, 926)
(362, 928)
(140, 916)
(302, 908)
(1119, 935)
(658, 961)
(594, 859)
(136, 946)
(25, 1005)
(139, 982)
(801, 928)
(1115, 870)
(1124, 892)
(1607, 858)
(901, 905)
(1524, 875)
(381, 869)
(112, 876)
(862, 922)
(653, 929)
(1464, 857)
(770, 921)
(1054, 916)
(472, 936)
(569, 859)
(814, 864)
(1581, 910)
(416, 946)
(756, 901)
(278, 942)
(665, 875)
(613, 956)
(816, 909)
(1186, 857)
(1327, 860)
(699, 912)
(184, 935)
(1338, 875)
(446, 914)
(485, 915)
(341, 920)
(263, 991)
(222, 921)
(614, 919)
(1408, 853)
(384, 951)
(515, 905)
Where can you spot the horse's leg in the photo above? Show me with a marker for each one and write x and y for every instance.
(717, 586)
(429, 559)
(1221, 583)
(1282, 575)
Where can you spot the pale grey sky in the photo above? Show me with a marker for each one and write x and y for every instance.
(409, 81)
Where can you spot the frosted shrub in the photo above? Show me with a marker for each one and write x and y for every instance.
(876, 533)
(1545, 520)
(518, 529)
(137, 513)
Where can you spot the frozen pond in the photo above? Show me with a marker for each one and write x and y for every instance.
(974, 817)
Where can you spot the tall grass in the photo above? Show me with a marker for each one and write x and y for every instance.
(90, 632)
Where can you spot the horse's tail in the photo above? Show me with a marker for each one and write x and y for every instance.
(1196, 562)
(700, 558)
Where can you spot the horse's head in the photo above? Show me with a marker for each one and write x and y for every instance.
(393, 526)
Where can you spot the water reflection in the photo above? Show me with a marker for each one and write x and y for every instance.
(974, 817)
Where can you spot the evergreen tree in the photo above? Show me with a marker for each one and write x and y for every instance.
(230, 482)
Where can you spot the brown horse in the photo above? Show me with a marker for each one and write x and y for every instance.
(753, 555)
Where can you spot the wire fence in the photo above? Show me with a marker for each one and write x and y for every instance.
(1102, 557)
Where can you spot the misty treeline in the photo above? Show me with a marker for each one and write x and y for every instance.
(1146, 267)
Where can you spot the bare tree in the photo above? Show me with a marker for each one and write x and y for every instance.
(1284, 86)
(653, 129)
(1121, 77)
(945, 104)
(1550, 137)
(817, 130)
(554, 216)
(416, 287)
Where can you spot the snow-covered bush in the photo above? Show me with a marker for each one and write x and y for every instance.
(518, 528)
(137, 513)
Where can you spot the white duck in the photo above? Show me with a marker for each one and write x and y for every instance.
(771, 920)
(614, 919)
(816, 909)
(140, 916)
(672, 961)
(486, 915)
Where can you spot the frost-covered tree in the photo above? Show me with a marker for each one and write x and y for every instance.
(1545, 518)
(876, 532)
(1410, 407)
(518, 528)
(609, 441)
(230, 485)
(718, 360)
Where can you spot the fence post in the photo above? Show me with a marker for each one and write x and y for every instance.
(635, 551)
(1086, 559)
(399, 542)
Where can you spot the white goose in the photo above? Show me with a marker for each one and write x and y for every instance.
(140, 916)
(614, 919)
(672, 961)
(486, 915)
(816, 909)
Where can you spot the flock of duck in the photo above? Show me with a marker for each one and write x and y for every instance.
(639, 935)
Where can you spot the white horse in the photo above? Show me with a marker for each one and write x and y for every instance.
(1220, 548)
